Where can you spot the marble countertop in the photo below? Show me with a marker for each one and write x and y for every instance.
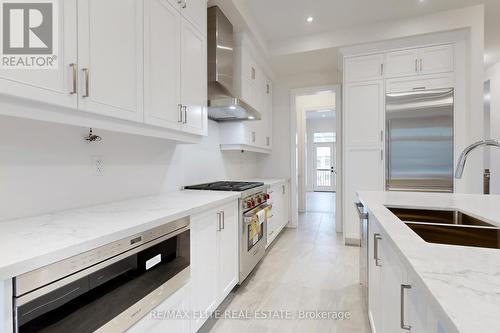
(268, 181)
(30, 243)
(464, 281)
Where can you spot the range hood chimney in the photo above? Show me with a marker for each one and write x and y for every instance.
(222, 104)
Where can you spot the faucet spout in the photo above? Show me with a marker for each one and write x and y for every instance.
(465, 154)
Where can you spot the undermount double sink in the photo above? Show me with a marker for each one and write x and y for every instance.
(449, 227)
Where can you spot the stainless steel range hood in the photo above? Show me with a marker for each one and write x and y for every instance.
(222, 104)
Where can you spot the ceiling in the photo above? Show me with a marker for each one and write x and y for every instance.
(281, 20)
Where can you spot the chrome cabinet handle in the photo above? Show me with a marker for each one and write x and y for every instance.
(421, 65)
(253, 137)
(223, 219)
(381, 69)
(253, 73)
(181, 119)
(416, 65)
(87, 84)
(219, 217)
(419, 88)
(74, 74)
(184, 110)
(376, 239)
(402, 316)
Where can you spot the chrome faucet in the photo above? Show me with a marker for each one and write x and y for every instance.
(463, 157)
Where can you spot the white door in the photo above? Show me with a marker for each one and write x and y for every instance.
(401, 63)
(228, 250)
(196, 13)
(54, 86)
(110, 57)
(193, 79)
(324, 166)
(204, 264)
(364, 68)
(364, 113)
(436, 59)
(162, 59)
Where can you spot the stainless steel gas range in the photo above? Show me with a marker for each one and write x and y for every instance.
(253, 212)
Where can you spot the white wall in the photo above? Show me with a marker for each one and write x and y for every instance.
(46, 167)
(493, 74)
(314, 126)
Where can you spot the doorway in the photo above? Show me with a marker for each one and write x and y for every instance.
(316, 154)
(324, 167)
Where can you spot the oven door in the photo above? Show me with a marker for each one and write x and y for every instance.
(109, 296)
(253, 242)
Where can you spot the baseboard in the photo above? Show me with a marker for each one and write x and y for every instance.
(352, 241)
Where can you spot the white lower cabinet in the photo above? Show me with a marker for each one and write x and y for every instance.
(279, 213)
(214, 259)
(398, 301)
(163, 318)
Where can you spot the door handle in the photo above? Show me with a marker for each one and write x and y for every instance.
(376, 239)
(402, 315)
(223, 218)
(219, 228)
(180, 113)
(74, 74)
(87, 84)
(184, 110)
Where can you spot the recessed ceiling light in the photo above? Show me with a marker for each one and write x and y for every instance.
(310, 19)
(251, 117)
(324, 116)
(232, 107)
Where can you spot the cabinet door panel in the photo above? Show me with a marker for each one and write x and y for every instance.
(375, 302)
(194, 79)
(228, 251)
(52, 86)
(204, 263)
(196, 12)
(364, 113)
(401, 63)
(437, 59)
(362, 171)
(363, 68)
(162, 74)
(110, 46)
(393, 276)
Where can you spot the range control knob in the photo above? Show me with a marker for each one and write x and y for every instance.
(249, 204)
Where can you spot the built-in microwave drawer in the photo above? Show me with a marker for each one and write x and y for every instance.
(113, 294)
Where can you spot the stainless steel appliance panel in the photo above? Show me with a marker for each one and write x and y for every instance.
(419, 140)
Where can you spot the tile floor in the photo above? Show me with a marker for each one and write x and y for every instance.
(320, 202)
(307, 268)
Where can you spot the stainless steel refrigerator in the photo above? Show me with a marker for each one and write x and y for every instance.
(419, 141)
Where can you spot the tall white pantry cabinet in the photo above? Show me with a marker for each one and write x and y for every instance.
(367, 79)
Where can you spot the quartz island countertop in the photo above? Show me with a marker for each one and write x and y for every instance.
(465, 281)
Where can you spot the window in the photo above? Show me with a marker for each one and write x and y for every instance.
(322, 137)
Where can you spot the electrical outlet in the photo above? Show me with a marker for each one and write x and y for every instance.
(98, 165)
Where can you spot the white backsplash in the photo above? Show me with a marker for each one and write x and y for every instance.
(47, 167)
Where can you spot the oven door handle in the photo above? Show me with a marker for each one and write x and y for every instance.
(254, 212)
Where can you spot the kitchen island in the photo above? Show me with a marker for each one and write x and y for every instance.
(424, 286)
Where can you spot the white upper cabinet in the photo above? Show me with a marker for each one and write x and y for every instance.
(420, 61)
(162, 60)
(195, 11)
(53, 86)
(110, 57)
(363, 68)
(364, 113)
(437, 59)
(193, 79)
(401, 63)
